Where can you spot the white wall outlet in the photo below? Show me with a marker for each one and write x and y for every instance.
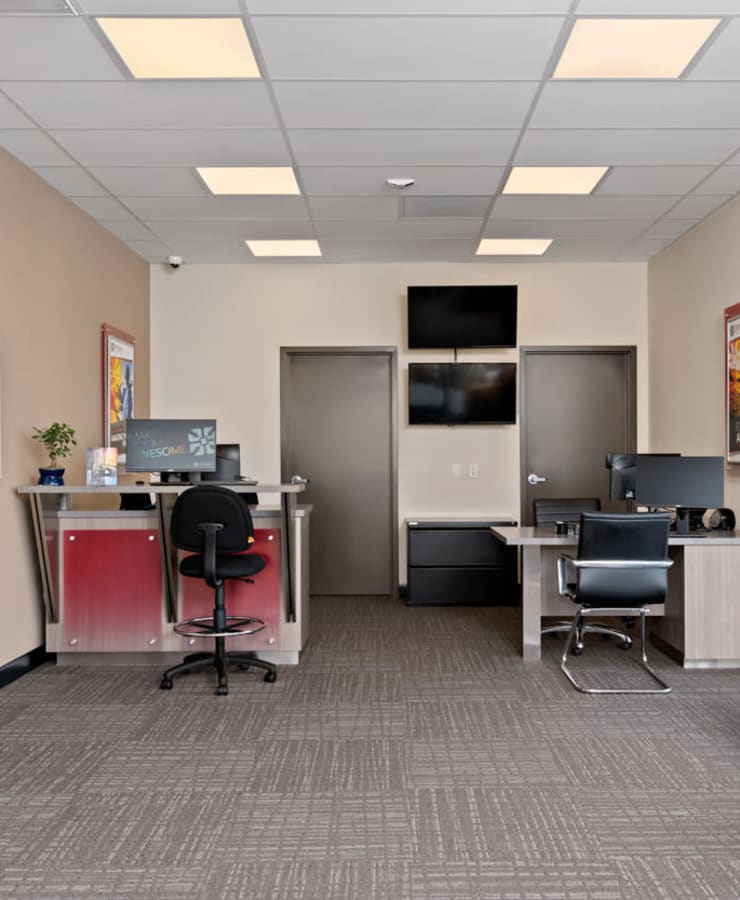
(457, 470)
(473, 471)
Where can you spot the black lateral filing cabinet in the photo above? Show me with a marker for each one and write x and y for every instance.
(460, 563)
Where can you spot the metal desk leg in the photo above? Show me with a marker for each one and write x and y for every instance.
(531, 602)
(289, 510)
(42, 553)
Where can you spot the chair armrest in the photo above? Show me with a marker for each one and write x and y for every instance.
(564, 560)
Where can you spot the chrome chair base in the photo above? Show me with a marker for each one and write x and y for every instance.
(576, 631)
(583, 630)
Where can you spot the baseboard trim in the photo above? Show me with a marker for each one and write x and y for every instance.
(23, 664)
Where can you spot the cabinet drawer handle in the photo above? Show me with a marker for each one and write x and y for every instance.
(72, 537)
(73, 642)
(270, 537)
(151, 537)
(152, 641)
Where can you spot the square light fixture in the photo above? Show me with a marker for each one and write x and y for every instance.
(284, 248)
(513, 246)
(632, 48)
(554, 179)
(249, 179)
(182, 47)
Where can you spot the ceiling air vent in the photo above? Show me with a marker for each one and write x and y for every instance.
(37, 8)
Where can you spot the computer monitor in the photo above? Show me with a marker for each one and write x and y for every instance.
(179, 449)
(228, 464)
(682, 482)
(622, 468)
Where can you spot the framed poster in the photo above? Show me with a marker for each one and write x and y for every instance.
(732, 383)
(118, 387)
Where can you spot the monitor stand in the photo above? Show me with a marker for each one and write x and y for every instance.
(179, 477)
(682, 520)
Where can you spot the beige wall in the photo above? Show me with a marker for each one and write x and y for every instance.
(689, 285)
(217, 331)
(61, 277)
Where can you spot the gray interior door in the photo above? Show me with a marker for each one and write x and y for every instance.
(577, 405)
(338, 409)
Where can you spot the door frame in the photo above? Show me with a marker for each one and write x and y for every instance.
(391, 354)
(628, 351)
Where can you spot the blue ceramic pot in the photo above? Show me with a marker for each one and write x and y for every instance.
(51, 476)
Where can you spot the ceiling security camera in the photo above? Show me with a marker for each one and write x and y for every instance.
(175, 261)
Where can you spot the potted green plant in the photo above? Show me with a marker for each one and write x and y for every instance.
(58, 439)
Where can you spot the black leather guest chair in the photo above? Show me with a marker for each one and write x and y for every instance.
(215, 524)
(621, 568)
(548, 511)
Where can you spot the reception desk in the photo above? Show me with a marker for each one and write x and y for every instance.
(700, 622)
(110, 581)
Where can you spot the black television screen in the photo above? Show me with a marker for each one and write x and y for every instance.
(453, 316)
(688, 481)
(170, 445)
(462, 393)
(622, 471)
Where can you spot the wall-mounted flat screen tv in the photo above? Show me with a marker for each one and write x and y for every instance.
(462, 393)
(454, 316)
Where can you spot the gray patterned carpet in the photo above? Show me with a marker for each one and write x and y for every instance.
(412, 754)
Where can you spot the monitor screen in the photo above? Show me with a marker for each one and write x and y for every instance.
(462, 393)
(228, 464)
(170, 445)
(685, 481)
(454, 316)
(622, 468)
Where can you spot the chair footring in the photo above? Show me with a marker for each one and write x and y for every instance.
(577, 627)
(235, 625)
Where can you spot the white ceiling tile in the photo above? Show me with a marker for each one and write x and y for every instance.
(149, 250)
(404, 229)
(354, 207)
(369, 251)
(641, 250)
(71, 180)
(722, 58)
(145, 181)
(403, 147)
(724, 181)
(215, 209)
(181, 230)
(128, 230)
(52, 47)
(443, 207)
(102, 207)
(557, 207)
(585, 229)
(633, 104)
(259, 147)
(593, 251)
(658, 8)
(636, 180)
(11, 116)
(321, 104)
(670, 229)
(378, 48)
(639, 147)
(149, 104)
(458, 180)
(34, 148)
(209, 252)
(408, 7)
(159, 7)
(697, 207)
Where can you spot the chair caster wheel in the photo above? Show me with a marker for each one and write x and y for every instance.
(577, 650)
(626, 645)
(166, 684)
(222, 690)
(270, 677)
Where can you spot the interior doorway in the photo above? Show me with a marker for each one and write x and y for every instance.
(576, 405)
(339, 414)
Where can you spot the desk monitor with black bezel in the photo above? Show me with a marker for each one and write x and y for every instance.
(622, 468)
(178, 449)
(683, 482)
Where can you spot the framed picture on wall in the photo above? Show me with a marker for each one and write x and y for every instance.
(732, 383)
(118, 387)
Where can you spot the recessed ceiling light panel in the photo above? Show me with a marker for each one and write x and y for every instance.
(182, 47)
(284, 248)
(513, 246)
(632, 48)
(249, 179)
(554, 179)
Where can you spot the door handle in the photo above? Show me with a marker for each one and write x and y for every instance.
(536, 479)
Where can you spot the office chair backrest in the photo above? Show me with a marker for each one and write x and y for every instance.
(211, 503)
(623, 536)
(549, 511)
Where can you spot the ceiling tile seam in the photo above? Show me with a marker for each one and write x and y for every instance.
(557, 49)
(706, 46)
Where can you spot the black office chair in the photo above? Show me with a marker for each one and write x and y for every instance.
(548, 511)
(215, 524)
(621, 567)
